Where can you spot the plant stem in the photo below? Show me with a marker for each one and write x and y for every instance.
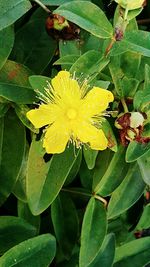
(103, 200)
(124, 105)
(77, 192)
(113, 40)
(86, 194)
(43, 6)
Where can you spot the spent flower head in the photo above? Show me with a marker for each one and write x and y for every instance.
(71, 114)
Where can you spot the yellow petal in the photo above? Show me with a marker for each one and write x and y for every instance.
(87, 133)
(96, 101)
(66, 87)
(44, 115)
(56, 138)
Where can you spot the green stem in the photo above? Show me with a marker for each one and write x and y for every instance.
(77, 192)
(43, 6)
(126, 14)
(124, 105)
(86, 194)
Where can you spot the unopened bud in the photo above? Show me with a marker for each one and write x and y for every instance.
(130, 4)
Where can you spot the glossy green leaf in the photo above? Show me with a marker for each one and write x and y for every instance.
(17, 93)
(36, 252)
(12, 149)
(25, 213)
(12, 10)
(144, 222)
(38, 83)
(14, 230)
(136, 150)
(88, 16)
(90, 157)
(127, 193)
(86, 175)
(57, 2)
(33, 47)
(3, 109)
(102, 162)
(19, 189)
(123, 69)
(93, 232)
(135, 252)
(114, 174)
(134, 41)
(21, 111)
(14, 85)
(15, 73)
(63, 210)
(68, 60)
(144, 164)
(112, 142)
(6, 44)
(45, 179)
(89, 65)
(106, 254)
(141, 99)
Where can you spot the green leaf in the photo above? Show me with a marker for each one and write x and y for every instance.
(141, 100)
(112, 142)
(63, 210)
(45, 179)
(19, 189)
(102, 162)
(57, 2)
(144, 163)
(14, 84)
(33, 47)
(15, 73)
(134, 41)
(25, 213)
(88, 16)
(127, 193)
(106, 254)
(36, 252)
(90, 157)
(144, 222)
(136, 150)
(68, 60)
(12, 149)
(89, 65)
(6, 44)
(133, 253)
(114, 174)
(93, 232)
(3, 109)
(38, 83)
(17, 93)
(21, 111)
(123, 69)
(12, 10)
(14, 230)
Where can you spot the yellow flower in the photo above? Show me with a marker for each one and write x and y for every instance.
(71, 114)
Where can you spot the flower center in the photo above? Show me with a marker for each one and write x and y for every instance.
(71, 113)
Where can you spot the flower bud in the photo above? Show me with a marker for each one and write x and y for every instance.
(130, 4)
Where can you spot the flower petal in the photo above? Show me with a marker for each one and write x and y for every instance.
(96, 101)
(56, 138)
(44, 115)
(65, 86)
(88, 133)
